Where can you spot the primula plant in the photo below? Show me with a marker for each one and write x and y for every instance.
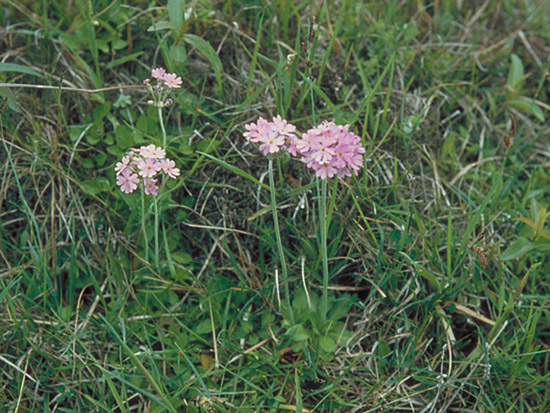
(328, 149)
(147, 162)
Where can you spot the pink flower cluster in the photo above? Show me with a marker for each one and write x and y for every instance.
(272, 136)
(328, 149)
(171, 80)
(144, 162)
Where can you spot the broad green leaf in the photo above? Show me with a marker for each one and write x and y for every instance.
(517, 249)
(12, 67)
(527, 107)
(122, 60)
(124, 137)
(298, 333)
(176, 12)
(94, 187)
(541, 219)
(208, 51)
(515, 75)
(161, 26)
(181, 257)
(327, 344)
(527, 221)
(178, 53)
(204, 327)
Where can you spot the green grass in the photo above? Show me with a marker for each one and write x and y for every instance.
(438, 295)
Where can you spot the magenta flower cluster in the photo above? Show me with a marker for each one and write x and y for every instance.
(145, 162)
(329, 149)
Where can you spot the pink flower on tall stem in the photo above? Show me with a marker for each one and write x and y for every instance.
(122, 165)
(158, 73)
(331, 149)
(152, 151)
(148, 167)
(172, 80)
(271, 136)
(127, 181)
(168, 166)
(145, 162)
(151, 187)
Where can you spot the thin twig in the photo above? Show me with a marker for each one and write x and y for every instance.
(70, 89)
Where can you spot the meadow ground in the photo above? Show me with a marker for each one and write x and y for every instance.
(420, 284)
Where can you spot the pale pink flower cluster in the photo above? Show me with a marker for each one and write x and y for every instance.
(271, 136)
(145, 162)
(171, 80)
(329, 149)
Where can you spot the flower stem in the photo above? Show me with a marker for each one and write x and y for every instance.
(324, 256)
(279, 243)
(156, 232)
(162, 128)
(161, 121)
(143, 230)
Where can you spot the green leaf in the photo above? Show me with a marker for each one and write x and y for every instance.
(124, 137)
(432, 280)
(181, 257)
(176, 12)
(8, 95)
(122, 60)
(12, 67)
(327, 344)
(383, 349)
(208, 51)
(122, 101)
(517, 249)
(95, 186)
(515, 75)
(204, 327)
(528, 107)
(161, 26)
(298, 333)
(178, 53)
(236, 170)
(101, 111)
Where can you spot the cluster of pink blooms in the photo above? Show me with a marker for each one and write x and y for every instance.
(144, 162)
(171, 80)
(328, 149)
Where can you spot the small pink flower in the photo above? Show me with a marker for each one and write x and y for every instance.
(158, 73)
(271, 142)
(291, 145)
(304, 144)
(283, 126)
(324, 171)
(123, 165)
(152, 151)
(151, 187)
(148, 167)
(127, 181)
(256, 130)
(168, 166)
(172, 81)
